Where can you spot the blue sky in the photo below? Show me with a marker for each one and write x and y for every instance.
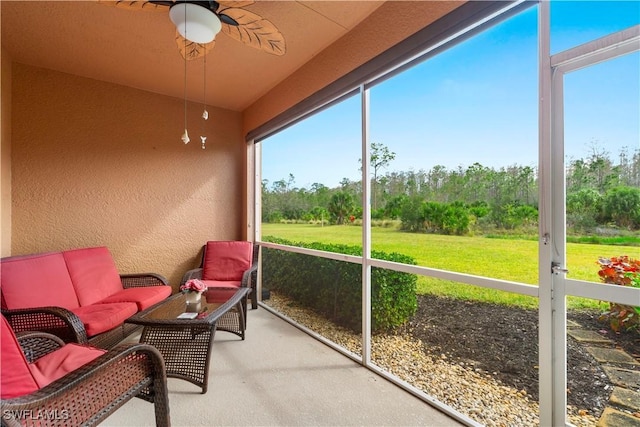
(476, 102)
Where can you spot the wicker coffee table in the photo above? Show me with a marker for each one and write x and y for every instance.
(186, 344)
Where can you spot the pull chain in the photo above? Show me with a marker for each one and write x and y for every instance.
(205, 113)
(185, 135)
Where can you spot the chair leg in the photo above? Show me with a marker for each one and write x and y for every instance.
(254, 299)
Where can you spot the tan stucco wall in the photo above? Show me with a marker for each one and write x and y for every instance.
(5, 155)
(93, 163)
(391, 23)
(97, 164)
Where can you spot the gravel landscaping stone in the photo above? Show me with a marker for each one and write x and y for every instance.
(460, 384)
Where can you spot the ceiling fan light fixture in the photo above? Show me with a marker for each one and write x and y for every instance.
(194, 22)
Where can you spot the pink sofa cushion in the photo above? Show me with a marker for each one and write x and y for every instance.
(93, 274)
(36, 281)
(144, 297)
(98, 318)
(226, 260)
(17, 379)
(59, 363)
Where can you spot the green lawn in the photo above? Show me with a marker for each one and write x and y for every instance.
(514, 260)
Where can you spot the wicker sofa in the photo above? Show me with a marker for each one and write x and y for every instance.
(48, 383)
(76, 295)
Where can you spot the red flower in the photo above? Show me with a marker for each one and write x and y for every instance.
(618, 270)
(194, 285)
(622, 271)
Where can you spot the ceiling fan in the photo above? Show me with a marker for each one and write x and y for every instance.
(198, 22)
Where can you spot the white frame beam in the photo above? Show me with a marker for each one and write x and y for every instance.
(555, 67)
(545, 241)
(553, 286)
(366, 229)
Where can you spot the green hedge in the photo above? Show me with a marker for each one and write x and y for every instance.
(334, 288)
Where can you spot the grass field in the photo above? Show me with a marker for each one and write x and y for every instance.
(514, 260)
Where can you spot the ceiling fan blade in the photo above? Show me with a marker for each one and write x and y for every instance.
(192, 50)
(161, 2)
(225, 19)
(141, 5)
(231, 3)
(255, 31)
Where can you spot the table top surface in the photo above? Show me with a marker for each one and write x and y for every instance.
(214, 303)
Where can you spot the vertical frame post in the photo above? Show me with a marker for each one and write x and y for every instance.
(546, 239)
(366, 230)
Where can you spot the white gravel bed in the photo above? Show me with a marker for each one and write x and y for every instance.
(477, 395)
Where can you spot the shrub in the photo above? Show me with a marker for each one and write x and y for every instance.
(622, 205)
(273, 217)
(341, 206)
(583, 208)
(623, 271)
(411, 214)
(334, 288)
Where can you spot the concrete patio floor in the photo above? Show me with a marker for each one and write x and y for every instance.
(280, 376)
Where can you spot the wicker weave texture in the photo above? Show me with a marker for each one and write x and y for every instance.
(54, 320)
(37, 344)
(186, 344)
(142, 280)
(233, 321)
(88, 395)
(186, 351)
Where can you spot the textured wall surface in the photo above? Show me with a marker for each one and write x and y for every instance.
(95, 164)
(5, 156)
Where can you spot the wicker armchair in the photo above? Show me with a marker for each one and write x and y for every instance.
(87, 395)
(219, 255)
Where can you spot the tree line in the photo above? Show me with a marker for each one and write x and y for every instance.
(601, 192)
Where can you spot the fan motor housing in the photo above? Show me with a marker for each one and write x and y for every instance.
(195, 22)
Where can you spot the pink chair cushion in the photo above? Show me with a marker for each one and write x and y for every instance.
(36, 281)
(59, 363)
(93, 274)
(98, 318)
(226, 260)
(17, 379)
(222, 283)
(219, 295)
(144, 297)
